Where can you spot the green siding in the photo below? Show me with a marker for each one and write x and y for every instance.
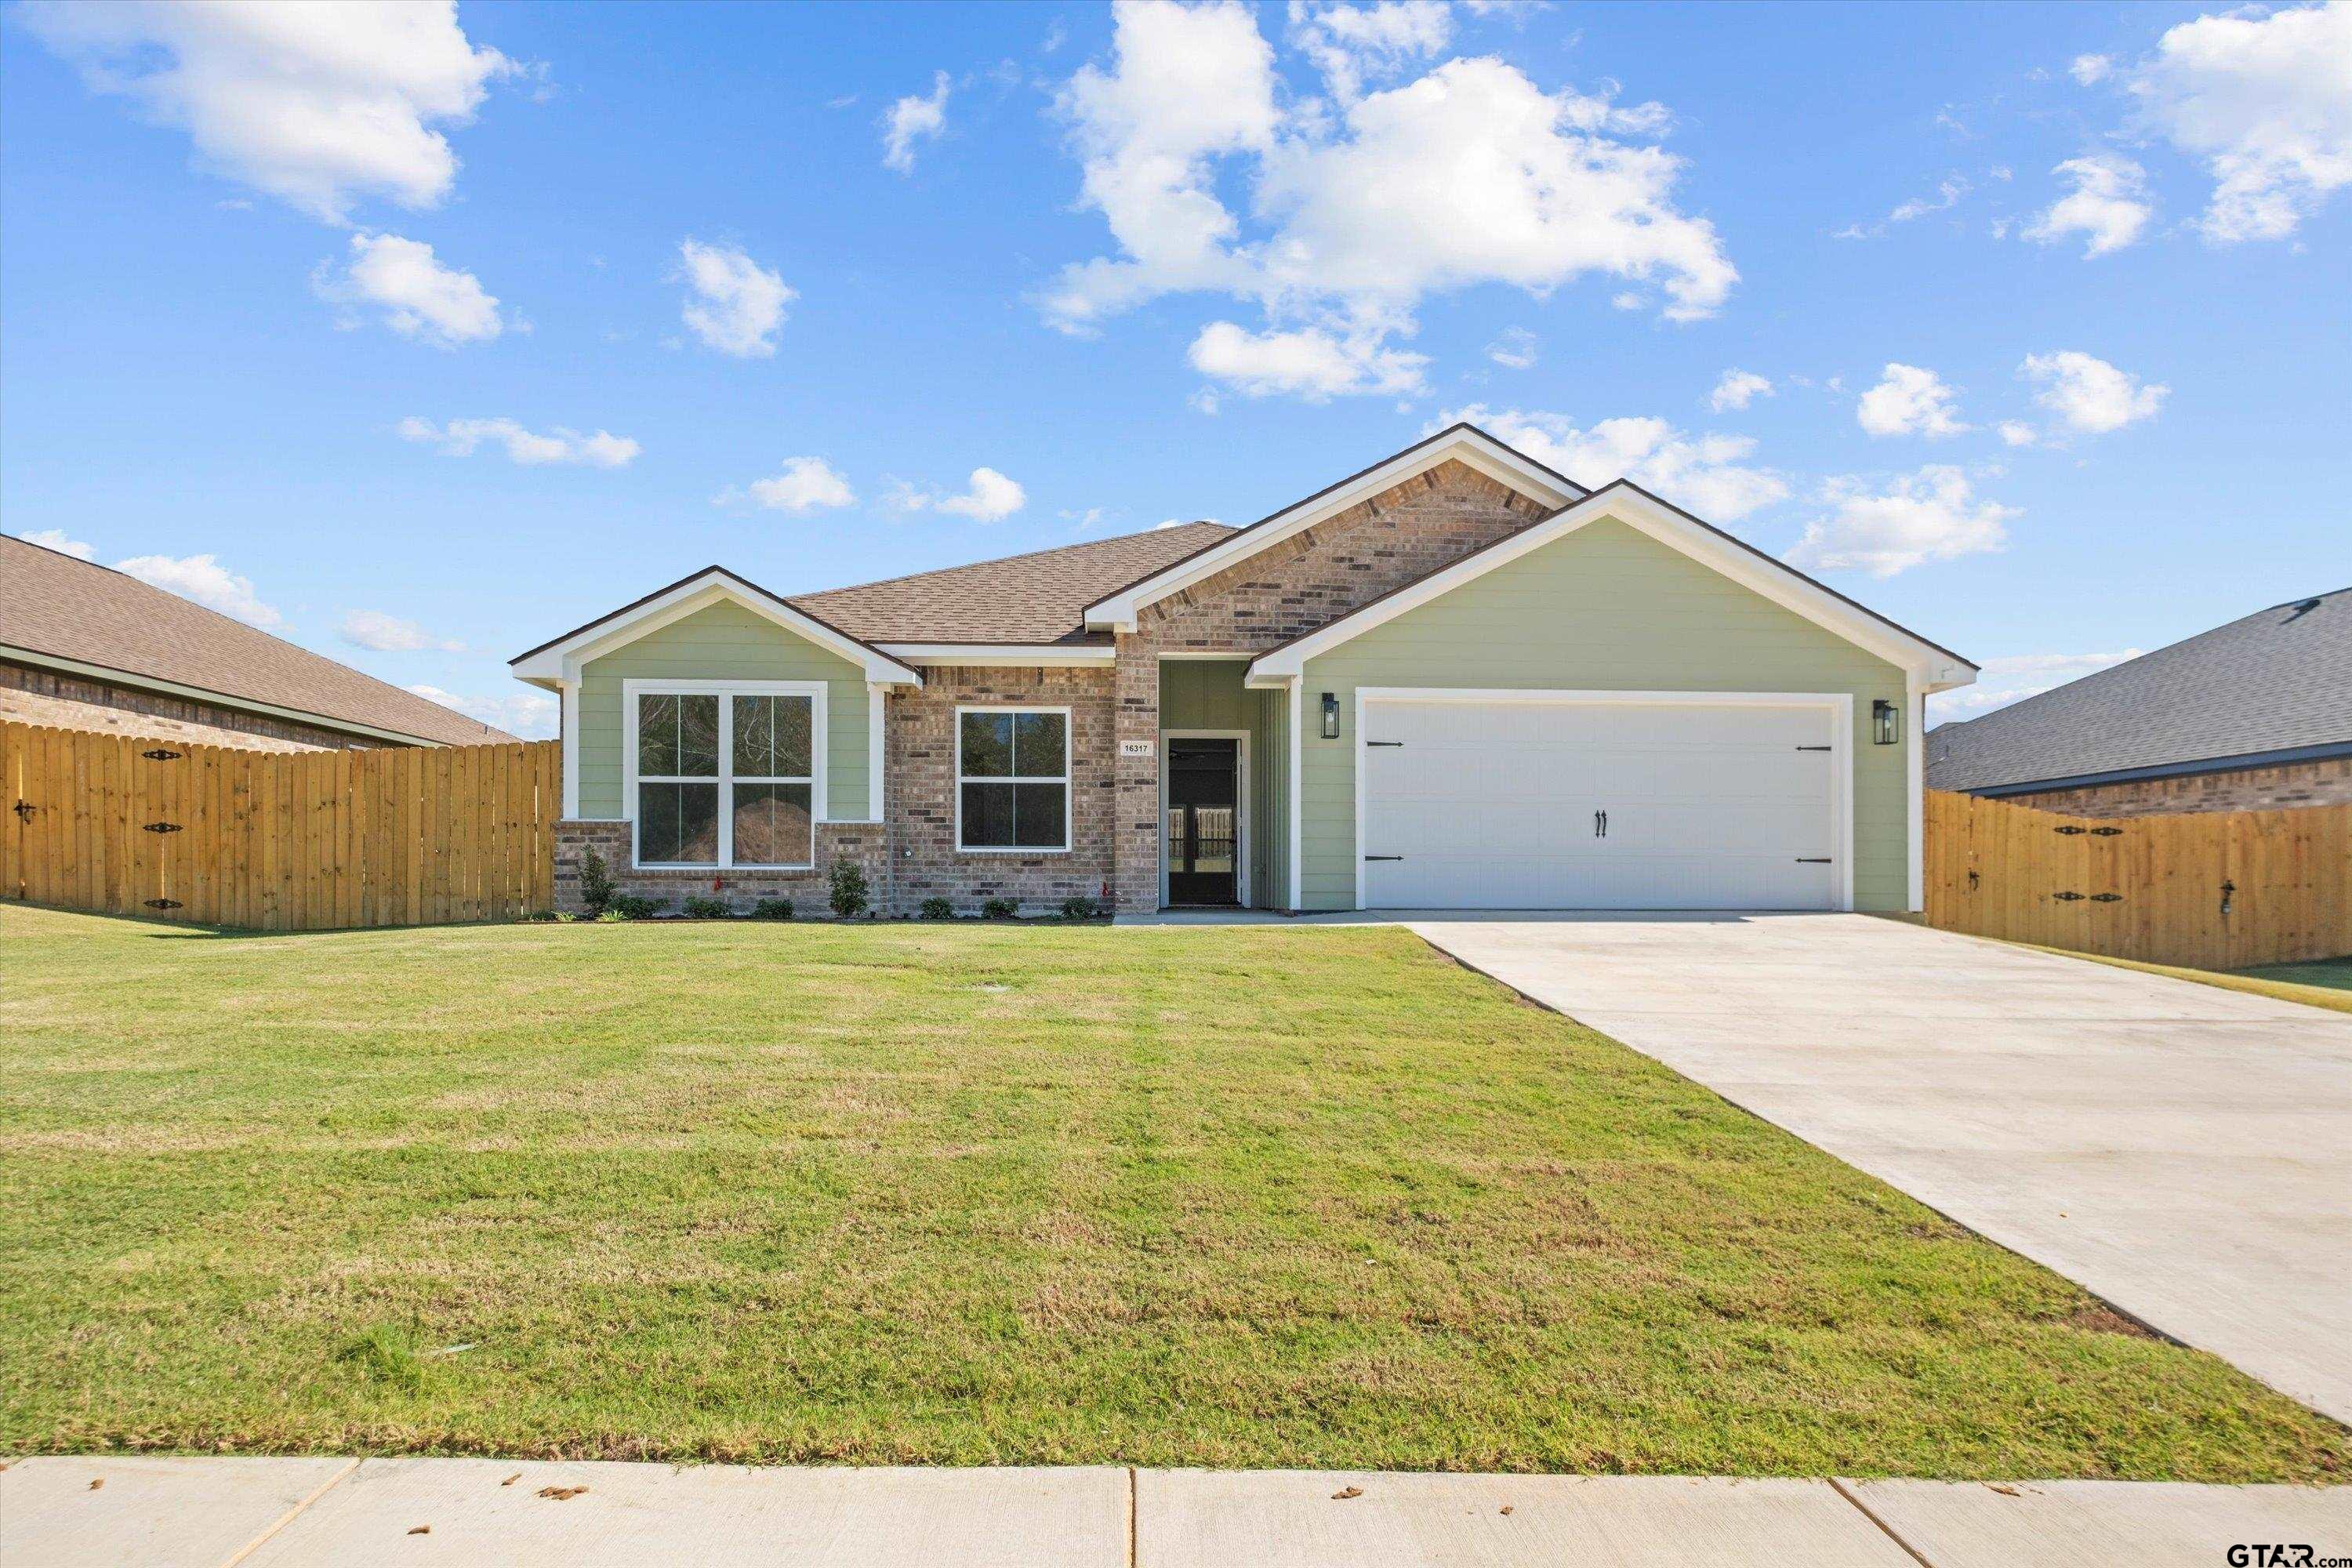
(1273, 717)
(1208, 694)
(1605, 608)
(725, 642)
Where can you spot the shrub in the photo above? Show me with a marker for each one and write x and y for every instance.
(1081, 908)
(998, 909)
(850, 893)
(542, 916)
(595, 884)
(703, 907)
(773, 909)
(631, 907)
(609, 917)
(937, 909)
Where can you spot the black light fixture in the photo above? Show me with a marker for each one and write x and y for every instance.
(1885, 722)
(1330, 715)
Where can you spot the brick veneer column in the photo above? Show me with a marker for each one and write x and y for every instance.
(1135, 843)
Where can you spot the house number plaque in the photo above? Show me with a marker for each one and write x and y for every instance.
(1135, 748)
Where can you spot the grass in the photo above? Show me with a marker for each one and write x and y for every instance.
(966, 1195)
(2322, 982)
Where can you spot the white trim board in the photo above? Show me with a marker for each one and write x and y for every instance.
(1933, 667)
(1242, 841)
(561, 660)
(983, 653)
(1466, 443)
(1840, 705)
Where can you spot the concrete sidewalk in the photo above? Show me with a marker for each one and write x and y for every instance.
(158, 1512)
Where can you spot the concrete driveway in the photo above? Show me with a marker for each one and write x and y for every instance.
(2182, 1151)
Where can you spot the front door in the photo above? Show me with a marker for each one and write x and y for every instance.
(1201, 842)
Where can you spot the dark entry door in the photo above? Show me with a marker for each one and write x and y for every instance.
(1201, 840)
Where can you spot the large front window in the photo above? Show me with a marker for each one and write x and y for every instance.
(725, 776)
(1013, 779)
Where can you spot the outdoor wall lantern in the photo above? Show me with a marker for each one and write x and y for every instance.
(1330, 715)
(1885, 722)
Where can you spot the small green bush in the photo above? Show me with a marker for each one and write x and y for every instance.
(609, 917)
(702, 907)
(542, 916)
(999, 909)
(937, 909)
(850, 893)
(1081, 908)
(595, 884)
(773, 909)
(633, 907)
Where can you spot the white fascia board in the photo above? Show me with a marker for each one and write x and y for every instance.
(1935, 670)
(561, 660)
(1000, 653)
(1473, 448)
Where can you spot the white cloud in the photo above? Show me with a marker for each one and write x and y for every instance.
(989, 497)
(1514, 349)
(2091, 70)
(56, 538)
(419, 297)
(1311, 364)
(2088, 395)
(802, 485)
(390, 634)
(911, 119)
(1738, 389)
(2108, 203)
(2002, 682)
(1707, 474)
(737, 304)
(1909, 401)
(1352, 44)
(463, 438)
(2018, 433)
(317, 105)
(204, 580)
(1949, 193)
(2266, 101)
(1930, 515)
(530, 714)
(1465, 176)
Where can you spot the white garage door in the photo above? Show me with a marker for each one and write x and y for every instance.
(1586, 805)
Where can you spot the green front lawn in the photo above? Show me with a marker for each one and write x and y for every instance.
(983, 1194)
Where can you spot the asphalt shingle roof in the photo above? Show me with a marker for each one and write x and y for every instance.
(2279, 679)
(66, 607)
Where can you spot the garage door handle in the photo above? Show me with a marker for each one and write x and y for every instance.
(1384, 742)
(1812, 859)
(1383, 856)
(1812, 748)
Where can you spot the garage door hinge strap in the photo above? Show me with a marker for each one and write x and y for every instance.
(1383, 856)
(1384, 742)
(1812, 748)
(1812, 859)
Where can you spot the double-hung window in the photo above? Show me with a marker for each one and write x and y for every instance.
(1013, 780)
(725, 774)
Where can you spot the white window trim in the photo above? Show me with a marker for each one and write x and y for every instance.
(1068, 781)
(1241, 739)
(632, 690)
(1839, 705)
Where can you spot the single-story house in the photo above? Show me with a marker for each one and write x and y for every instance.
(1453, 679)
(83, 647)
(2250, 716)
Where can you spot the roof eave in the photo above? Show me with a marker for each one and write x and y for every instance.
(552, 664)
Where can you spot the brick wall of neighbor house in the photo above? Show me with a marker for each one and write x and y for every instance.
(920, 774)
(31, 696)
(2325, 782)
(1394, 538)
(808, 890)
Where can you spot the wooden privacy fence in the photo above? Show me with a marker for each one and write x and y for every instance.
(2219, 890)
(277, 840)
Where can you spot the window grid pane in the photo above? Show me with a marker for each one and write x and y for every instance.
(773, 824)
(985, 745)
(677, 824)
(1039, 746)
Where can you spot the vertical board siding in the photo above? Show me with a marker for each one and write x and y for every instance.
(2206, 889)
(277, 840)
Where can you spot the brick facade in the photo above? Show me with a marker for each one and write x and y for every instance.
(31, 696)
(810, 891)
(2327, 782)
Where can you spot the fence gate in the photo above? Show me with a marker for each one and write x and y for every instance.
(277, 840)
(2221, 889)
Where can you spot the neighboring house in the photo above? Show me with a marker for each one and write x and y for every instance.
(1456, 679)
(2248, 716)
(84, 646)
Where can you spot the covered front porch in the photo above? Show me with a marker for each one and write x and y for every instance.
(1224, 759)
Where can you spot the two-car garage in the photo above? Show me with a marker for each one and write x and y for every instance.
(1503, 800)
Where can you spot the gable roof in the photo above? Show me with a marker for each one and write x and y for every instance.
(62, 610)
(1938, 667)
(1037, 597)
(2277, 681)
(550, 662)
(1460, 443)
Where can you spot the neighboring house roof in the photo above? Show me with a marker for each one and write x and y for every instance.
(1937, 666)
(1039, 597)
(2273, 687)
(64, 613)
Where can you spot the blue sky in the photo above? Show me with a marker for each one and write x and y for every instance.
(2050, 305)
